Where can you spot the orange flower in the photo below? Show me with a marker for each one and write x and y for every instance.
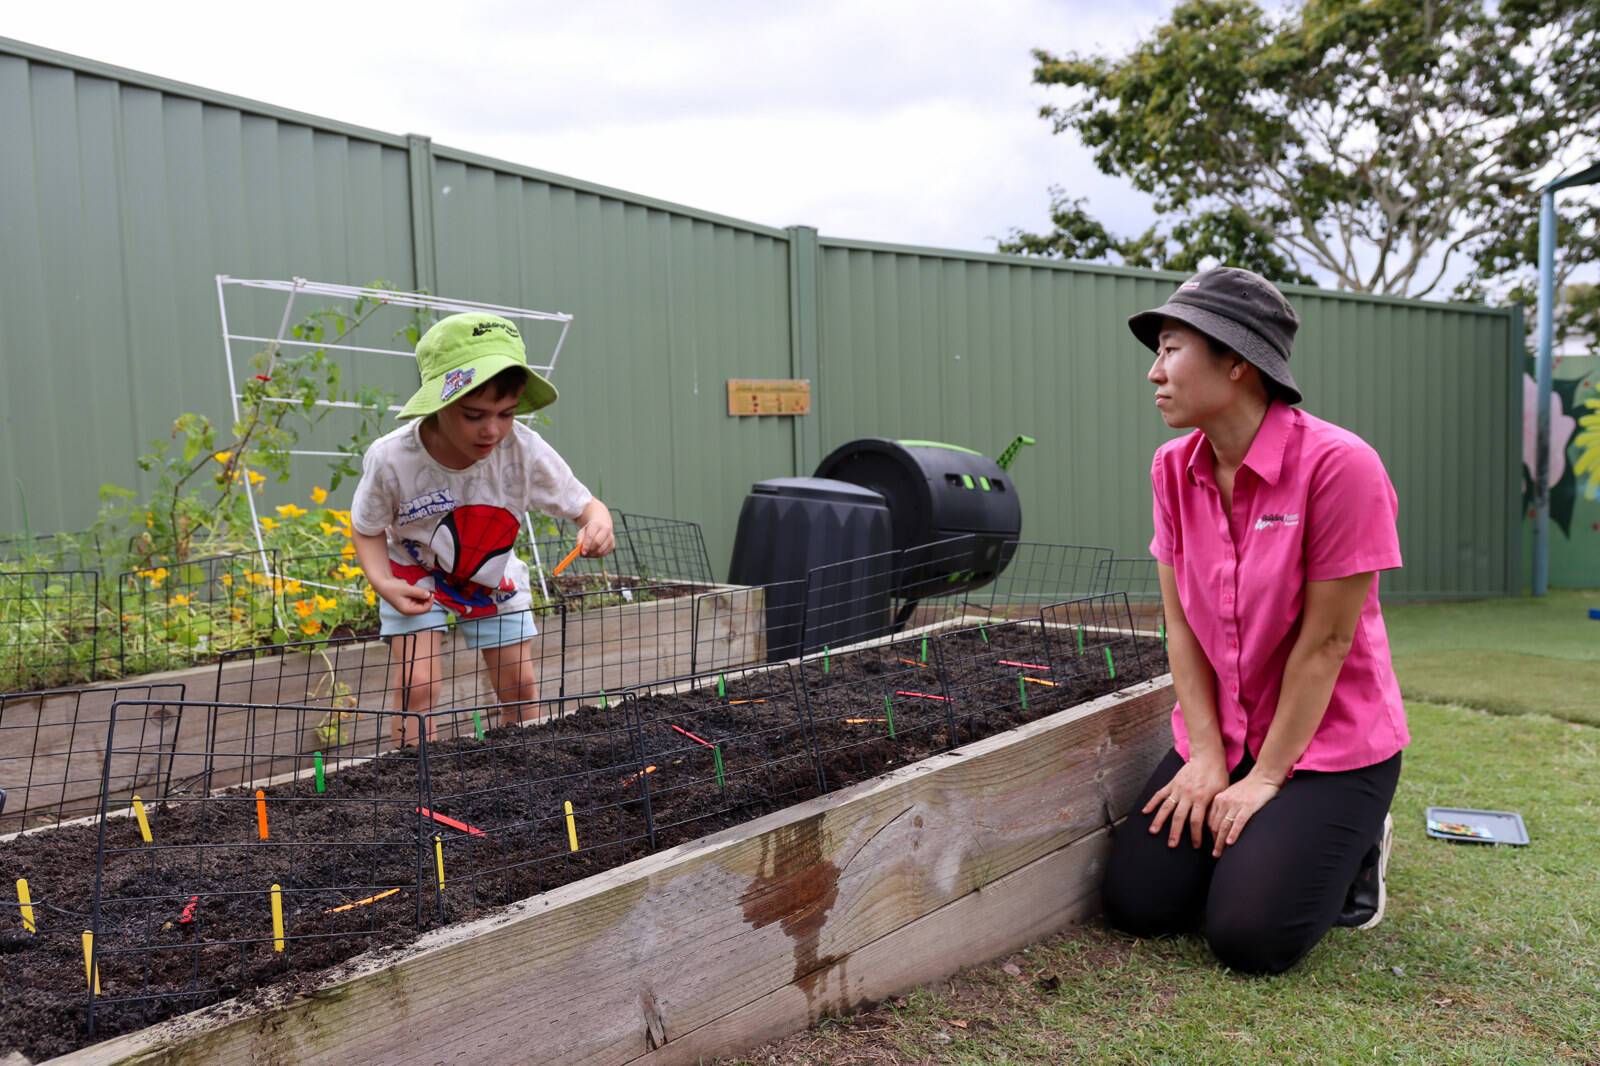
(311, 627)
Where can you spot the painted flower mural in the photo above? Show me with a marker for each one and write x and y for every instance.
(1561, 427)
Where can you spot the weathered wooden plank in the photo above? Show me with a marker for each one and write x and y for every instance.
(628, 962)
(1021, 908)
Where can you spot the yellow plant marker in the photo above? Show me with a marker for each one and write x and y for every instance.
(361, 902)
(26, 900)
(88, 961)
(438, 857)
(144, 823)
(277, 918)
(572, 826)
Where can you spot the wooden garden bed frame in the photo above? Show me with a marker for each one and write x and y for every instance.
(747, 935)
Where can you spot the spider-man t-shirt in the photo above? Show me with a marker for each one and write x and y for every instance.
(451, 531)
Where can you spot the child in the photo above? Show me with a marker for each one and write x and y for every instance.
(439, 506)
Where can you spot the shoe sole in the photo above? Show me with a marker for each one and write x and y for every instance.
(1384, 848)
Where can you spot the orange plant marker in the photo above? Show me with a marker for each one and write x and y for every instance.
(361, 902)
(566, 562)
(1038, 681)
(261, 813)
(913, 662)
(863, 721)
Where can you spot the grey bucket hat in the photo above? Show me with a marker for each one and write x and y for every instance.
(1241, 311)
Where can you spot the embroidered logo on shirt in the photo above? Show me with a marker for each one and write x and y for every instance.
(438, 502)
(1267, 520)
(455, 381)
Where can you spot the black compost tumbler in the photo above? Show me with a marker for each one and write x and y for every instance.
(936, 492)
(790, 526)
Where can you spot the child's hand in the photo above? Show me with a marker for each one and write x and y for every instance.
(595, 535)
(405, 597)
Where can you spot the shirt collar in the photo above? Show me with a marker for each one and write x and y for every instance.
(1265, 457)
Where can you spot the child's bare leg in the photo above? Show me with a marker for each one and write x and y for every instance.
(413, 682)
(515, 683)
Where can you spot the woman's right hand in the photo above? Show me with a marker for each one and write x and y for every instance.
(1185, 799)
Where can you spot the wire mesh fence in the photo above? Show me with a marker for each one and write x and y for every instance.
(52, 752)
(180, 614)
(623, 638)
(1040, 574)
(722, 748)
(1140, 580)
(876, 706)
(516, 811)
(265, 850)
(649, 551)
(50, 629)
(996, 676)
(1094, 637)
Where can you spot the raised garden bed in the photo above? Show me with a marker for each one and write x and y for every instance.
(801, 727)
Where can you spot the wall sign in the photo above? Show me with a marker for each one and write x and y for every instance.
(769, 396)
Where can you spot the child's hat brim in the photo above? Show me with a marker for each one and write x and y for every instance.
(442, 390)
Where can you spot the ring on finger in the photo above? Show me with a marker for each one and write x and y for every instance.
(1169, 799)
(1230, 817)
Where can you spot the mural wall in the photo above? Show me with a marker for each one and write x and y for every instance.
(1574, 469)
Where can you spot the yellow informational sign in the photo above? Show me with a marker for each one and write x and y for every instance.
(769, 396)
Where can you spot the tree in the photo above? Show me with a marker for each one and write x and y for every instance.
(1385, 144)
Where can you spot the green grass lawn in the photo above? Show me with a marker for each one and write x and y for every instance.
(1487, 954)
(1518, 656)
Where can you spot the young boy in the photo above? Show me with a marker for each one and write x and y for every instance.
(439, 506)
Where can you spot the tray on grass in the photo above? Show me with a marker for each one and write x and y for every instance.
(1475, 826)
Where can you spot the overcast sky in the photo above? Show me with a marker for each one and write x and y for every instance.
(900, 120)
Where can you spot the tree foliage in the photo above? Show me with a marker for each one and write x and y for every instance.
(1383, 144)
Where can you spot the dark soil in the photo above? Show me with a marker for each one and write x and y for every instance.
(364, 835)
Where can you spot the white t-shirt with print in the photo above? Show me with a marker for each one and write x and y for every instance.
(451, 531)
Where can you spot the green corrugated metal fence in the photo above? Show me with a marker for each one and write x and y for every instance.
(122, 195)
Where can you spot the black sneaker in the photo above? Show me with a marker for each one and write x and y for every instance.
(1363, 906)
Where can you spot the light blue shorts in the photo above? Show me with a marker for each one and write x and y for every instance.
(496, 631)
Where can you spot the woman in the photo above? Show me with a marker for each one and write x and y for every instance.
(1268, 821)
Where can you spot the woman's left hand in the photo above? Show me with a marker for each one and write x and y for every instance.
(1234, 806)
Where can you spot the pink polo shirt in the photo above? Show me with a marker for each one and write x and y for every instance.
(1311, 502)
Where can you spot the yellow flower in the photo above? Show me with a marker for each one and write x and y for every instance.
(318, 494)
(343, 516)
(289, 510)
(291, 587)
(269, 524)
(236, 613)
(349, 572)
(304, 608)
(222, 457)
(348, 551)
(149, 520)
(226, 579)
(155, 577)
(256, 578)
(371, 597)
(311, 627)
(325, 603)
(256, 479)
(180, 600)
(330, 529)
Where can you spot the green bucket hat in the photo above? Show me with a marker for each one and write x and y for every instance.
(462, 352)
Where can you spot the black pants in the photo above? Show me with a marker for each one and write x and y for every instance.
(1276, 891)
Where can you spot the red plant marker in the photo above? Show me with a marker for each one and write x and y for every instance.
(924, 696)
(697, 740)
(451, 822)
(188, 910)
(1025, 666)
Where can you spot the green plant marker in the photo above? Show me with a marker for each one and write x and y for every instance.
(888, 714)
(602, 699)
(722, 685)
(924, 649)
(1022, 690)
(1111, 666)
(1080, 638)
(1163, 628)
(824, 658)
(716, 759)
(984, 633)
(477, 723)
(316, 760)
